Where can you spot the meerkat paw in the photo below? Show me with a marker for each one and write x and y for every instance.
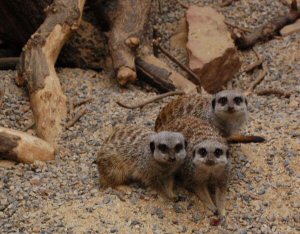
(213, 209)
(222, 212)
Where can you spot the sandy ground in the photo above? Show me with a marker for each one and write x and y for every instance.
(64, 196)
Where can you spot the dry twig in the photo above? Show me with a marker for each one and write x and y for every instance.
(186, 6)
(77, 116)
(227, 3)
(150, 100)
(195, 79)
(276, 92)
(1, 95)
(257, 63)
(29, 126)
(270, 29)
(81, 102)
(259, 78)
(8, 63)
(243, 29)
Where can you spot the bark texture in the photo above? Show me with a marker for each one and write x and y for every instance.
(127, 32)
(22, 147)
(37, 62)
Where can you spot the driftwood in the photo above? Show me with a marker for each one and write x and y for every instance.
(125, 36)
(150, 100)
(227, 3)
(276, 92)
(37, 62)
(193, 77)
(8, 63)
(160, 75)
(76, 117)
(258, 79)
(268, 30)
(22, 147)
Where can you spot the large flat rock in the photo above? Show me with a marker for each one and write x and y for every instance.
(212, 53)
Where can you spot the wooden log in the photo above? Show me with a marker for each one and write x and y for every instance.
(162, 76)
(126, 34)
(8, 63)
(22, 147)
(37, 62)
(270, 29)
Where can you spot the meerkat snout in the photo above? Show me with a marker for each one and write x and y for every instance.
(168, 147)
(210, 153)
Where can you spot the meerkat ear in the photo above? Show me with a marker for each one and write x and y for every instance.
(194, 153)
(246, 101)
(185, 144)
(213, 103)
(152, 146)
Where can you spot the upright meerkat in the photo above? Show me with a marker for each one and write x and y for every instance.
(138, 154)
(227, 110)
(207, 164)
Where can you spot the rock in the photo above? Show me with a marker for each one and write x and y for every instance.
(212, 53)
(179, 39)
(289, 29)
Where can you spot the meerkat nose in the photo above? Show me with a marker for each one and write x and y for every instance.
(210, 162)
(172, 158)
(230, 109)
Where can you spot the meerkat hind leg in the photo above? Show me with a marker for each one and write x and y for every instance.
(220, 196)
(204, 195)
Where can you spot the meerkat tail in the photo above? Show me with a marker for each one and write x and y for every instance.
(235, 139)
(150, 100)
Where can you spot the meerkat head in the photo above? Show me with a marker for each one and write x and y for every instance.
(210, 153)
(228, 103)
(168, 147)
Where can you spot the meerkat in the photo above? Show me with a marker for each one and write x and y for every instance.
(135, 153)
(207, 164)
(227, 110)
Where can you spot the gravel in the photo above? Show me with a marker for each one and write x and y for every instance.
(64, 196)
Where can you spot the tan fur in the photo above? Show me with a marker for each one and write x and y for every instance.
(126, 156)
(227, 118)
(199, 180)
(194, 105)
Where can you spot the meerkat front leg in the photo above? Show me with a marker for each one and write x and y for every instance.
(203, 194)
(220, 199)
(169, 188)
(165, 187)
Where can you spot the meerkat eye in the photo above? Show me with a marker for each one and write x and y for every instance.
(202, 152)
(238, 100)
(218, 152)
(178, 148)
(223, 101)
(163, 148)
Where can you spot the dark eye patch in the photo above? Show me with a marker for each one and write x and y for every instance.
(218, 152)
(163, 148)
(238, 100)
(202, 152)
(223, 101)
(178, 148)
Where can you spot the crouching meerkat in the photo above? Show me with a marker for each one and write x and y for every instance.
(227, 110)
(133, 153)
(207, 164)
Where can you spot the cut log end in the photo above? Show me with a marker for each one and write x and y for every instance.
(126, 75)
(22, 147)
